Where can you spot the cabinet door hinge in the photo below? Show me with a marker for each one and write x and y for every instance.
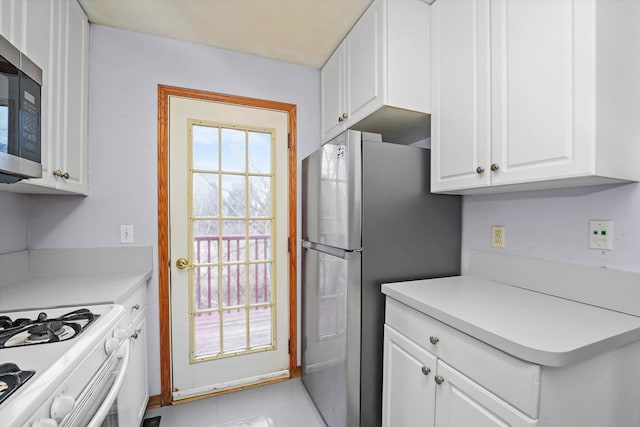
(288, 140)
(289, 244)
(289, 346)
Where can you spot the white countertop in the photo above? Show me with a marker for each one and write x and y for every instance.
(73, 290)
(532, 326)
(47, 278)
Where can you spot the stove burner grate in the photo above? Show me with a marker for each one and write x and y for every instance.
(11, 378)
(42, 330)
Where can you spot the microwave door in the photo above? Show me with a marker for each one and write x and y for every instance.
(29, 137)
(9, 104)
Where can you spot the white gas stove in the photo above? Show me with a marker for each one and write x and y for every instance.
(62, 366)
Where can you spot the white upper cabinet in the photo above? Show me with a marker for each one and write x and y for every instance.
(534, 94)
(382, 62)
(55, 35)
(333, 99)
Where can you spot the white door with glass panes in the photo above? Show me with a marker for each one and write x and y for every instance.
(228, 241)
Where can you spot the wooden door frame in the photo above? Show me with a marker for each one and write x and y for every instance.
(164, 92)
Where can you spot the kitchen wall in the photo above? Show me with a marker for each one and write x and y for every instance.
(125, 69)
(13, 222)
(553, 224)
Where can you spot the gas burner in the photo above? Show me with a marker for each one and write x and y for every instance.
(47, 331)
(11, 378)
(19, 332)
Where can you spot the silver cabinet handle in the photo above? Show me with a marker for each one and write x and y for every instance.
(439, 379)
(425, 370)
(434, 340)
(495, 167)
(479, 170)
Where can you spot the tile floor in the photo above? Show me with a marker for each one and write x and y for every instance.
(283, 404)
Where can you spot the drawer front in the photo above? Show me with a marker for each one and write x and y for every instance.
(513, 380)
(135, 304)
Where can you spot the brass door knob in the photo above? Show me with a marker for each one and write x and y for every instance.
(439, 379)
(182, 263)
(425, 370)
(479, 170)
(434, 340)
(495, 167)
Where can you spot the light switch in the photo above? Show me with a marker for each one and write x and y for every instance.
(126, 234)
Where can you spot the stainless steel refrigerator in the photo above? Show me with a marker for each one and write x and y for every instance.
(367, 218)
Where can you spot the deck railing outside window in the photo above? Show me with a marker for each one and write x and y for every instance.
(207, 251)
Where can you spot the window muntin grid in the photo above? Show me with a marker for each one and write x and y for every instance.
(231, 213)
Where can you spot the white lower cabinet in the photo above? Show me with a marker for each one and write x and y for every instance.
(408, 390)
(421, 390)
(137, 390)
(138, 373)
(461, 402)
(435, 375)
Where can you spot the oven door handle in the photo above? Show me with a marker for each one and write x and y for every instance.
(102, 412)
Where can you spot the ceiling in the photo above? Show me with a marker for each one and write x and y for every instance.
(303, 32)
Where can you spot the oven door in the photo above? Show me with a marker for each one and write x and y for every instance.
(97, 406)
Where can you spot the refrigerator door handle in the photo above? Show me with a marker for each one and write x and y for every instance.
(329, 250)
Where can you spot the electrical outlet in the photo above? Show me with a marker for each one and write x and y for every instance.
(497, 236)
(601, 234)
(126, 234)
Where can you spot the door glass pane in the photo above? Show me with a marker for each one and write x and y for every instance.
(206, 287)
(260, 326)
(259, 240)
(259, 152)
(207, 334)
(234, 330)
(205, 148)
(233, 150)
(260, 283)
(234, 242)
(259, 196)
(234, 284)
(234, 195)
(205, 240)
(205, 194)
(231, 218)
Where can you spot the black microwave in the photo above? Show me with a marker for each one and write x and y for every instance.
(20, 114)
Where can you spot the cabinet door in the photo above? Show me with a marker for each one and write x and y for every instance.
(11, 23)
(40, 41)
(332, 92)
(137, 375)
(461, 402)
(460, 131)
(72, 145)
(543, 89)
(408, 389)
(365, 55)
